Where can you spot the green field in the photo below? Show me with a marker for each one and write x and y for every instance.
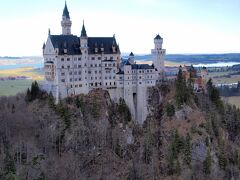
(12, 87)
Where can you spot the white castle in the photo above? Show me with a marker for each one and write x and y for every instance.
(76, 65)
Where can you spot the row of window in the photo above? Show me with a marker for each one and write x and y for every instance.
(148, 82)
(141, 71)
(91, 78)
(91, 65)
(80, 58)
(89, 72)
(93, 84)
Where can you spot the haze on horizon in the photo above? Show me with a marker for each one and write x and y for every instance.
(186, 26)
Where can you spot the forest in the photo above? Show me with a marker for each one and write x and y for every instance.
(185, 136)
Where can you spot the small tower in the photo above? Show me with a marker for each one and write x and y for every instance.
(158, 56)
(66, 22)
(83, 37)
(131, 58)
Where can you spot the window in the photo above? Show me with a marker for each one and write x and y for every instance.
(95, 65)
(76, 79)
(79, 59)
(99, 58)
(63, 74)
(70, 79)
(79, 79)
(70, 73)
(91, 65)
(75, 73)
(85, 64)
(79, 72)
(76, 85)
(75, 59)
(93, 58)
(79, 66)
(62, 59)
(105, 65)
(62, 67)
(68, 66)
(95, 72)
(68, 59)
(114, 64)
(63, 80)
(111, 58)
(75, 66)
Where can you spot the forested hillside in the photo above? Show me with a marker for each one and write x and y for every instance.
(185, 136)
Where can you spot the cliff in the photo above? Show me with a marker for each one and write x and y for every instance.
(90, 137)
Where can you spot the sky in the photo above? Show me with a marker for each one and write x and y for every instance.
(186, 26)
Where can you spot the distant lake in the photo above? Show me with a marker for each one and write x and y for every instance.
(14, 66)
(218, 64)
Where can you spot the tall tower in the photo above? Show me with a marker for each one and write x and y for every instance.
(158, 56)
(66, 22)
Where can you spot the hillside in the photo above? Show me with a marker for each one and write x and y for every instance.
(185, 136)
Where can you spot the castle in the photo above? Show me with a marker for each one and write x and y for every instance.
(76, 65)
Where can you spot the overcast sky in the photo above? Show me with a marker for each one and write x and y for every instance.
(187, 26)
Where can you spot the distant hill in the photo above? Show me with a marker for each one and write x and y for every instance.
(195, 58)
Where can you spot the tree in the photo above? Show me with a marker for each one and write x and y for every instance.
(182, 92)
(170, 110)
(188, 150)
(207, 163)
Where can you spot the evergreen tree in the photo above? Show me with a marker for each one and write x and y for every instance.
(170, 110)
(188, 150)
(207, 163)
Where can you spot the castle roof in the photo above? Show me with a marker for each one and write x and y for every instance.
(66, 12)
(131, 54)
(69, 42)
(158, 37)
(83, 32)
(142, 66)
(72, 44)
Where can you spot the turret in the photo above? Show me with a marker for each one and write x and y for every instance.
(83, 37)
(158, 40)
(66, 22)
(131, 58)
(158, 56)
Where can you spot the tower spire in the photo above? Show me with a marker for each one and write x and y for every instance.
(65, 11)
(66, 22)
(83, 32)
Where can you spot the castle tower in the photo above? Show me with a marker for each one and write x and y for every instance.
(158, 56)
(66, 22)
(131, 58)
(83, 37)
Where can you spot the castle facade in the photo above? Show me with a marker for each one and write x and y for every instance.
(78, 64)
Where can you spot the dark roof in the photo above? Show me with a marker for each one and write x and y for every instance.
(142, 66)
(120, 72)
(83, 32)
(65, 11)
(131, 54)
(127, 63)
(158, 37)
(102, 42)
(69, 42)
(44, 45)
(72, 44)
